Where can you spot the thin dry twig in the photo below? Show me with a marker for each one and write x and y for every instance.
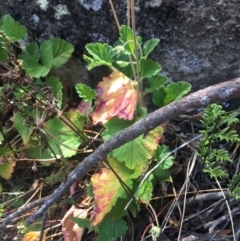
(190, 167)
(225, 217)
(22, 210)
(220, 92)
(114, 14)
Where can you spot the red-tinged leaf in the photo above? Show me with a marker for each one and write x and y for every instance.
(84, 107)
(70, 229)
(107, 189)
(6, 168)
(72, 189)
(116, 97)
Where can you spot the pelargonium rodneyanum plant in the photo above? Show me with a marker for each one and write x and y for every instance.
(118, 97)
(121, 92)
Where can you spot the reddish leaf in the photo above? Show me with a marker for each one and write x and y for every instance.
(116, 97)
(84, 107)
(70, 229)
(107, 189)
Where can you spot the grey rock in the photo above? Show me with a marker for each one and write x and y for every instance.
(199, 39)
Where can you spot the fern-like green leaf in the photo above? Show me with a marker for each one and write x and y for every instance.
(234, 186)
(218, 126)
(216, 172)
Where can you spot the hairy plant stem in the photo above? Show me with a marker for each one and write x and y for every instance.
(137, 77)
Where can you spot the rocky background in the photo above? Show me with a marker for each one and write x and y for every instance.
(200, 39)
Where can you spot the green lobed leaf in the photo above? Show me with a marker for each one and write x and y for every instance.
(158, 97)
(46, 54)
(61, 138)
(156, 82)
(61, 51)
(115, 125)
(13, 30)
(173, 92)
(110, 229)
(149, 46)
(82, 222)
(118, 211)
(136, 152)
(126, 37)
(92, 63)
(101, 52)
(176, 91)
(161, 174)
(57, 88)
(142, 111)
(38, 71)
(7, 163)
(85, 92)
(31, 57)
(67, 140)
(149, 68)
(24, 130)
(160, 154)
(144, 193)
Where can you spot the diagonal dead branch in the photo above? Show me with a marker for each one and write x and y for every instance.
(22, 210)
(220, 92)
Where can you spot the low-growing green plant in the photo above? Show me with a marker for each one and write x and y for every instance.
(36, 102)
(115, 94)
(217, 124)
(43, 132)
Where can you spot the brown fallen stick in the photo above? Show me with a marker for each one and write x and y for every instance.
(202, 98)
